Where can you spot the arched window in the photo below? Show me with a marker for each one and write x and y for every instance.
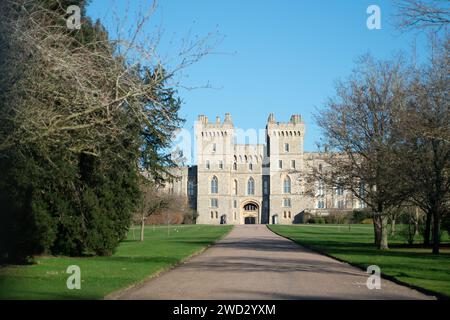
(214, 185)
(287, 185)
(250, 166)
(235, 166)
(235, 187)
(251, 186)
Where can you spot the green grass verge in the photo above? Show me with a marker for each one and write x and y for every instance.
(414, 266)
(133, 262)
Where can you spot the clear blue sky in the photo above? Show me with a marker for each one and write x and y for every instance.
(275, 56)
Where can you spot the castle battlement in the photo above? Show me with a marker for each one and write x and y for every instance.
(294, 126)
(204, 123)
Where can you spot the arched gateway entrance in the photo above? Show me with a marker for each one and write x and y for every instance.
(250, 213)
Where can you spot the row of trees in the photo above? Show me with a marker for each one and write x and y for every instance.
(389, 128)
(81, 115)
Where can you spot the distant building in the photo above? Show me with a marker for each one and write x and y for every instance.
(255, 183)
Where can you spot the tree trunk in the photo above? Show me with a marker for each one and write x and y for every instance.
(384, 233)
(416, 222)
(426, 236)
(436, 231)
(142, 229)
(377, 228)
(393, 227)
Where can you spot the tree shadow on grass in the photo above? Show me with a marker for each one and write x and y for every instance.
(334, 247)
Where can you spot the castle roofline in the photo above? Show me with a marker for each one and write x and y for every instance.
(227, 122)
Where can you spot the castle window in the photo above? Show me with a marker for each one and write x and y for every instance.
(221, 164)
(251, 186)
(208, 165)
(214, 185)
(339, 190)
(320, 189)
(280, 164)
(235, 187)
(287, 185)
(284, 214)
(214, 148)
(341, 204)
(235, 166)
(287, 202)
(234, 203)
(214, 203)
(361, 190)
(250, 166)
(235, 218)
(361, 195)
(286, 147)
(292, 164)
(217, 215)
(191, 188)
(290, 215)
(212, 214)
(321, 204)
(266, 187)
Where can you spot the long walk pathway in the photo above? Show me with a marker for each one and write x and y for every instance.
(252, 262)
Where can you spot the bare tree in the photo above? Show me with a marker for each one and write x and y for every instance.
(423, 127)
(422, 14)
(357, 127)
(86, 92)
(153, 201)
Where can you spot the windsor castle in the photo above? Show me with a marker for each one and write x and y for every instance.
(246, 183)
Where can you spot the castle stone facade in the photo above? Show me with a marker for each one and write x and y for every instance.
(246, 183)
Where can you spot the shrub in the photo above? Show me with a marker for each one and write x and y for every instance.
(358, 216)
(316, 220)
(338, 218)
(367, 221)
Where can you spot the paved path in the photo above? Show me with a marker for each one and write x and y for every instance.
(251, 262)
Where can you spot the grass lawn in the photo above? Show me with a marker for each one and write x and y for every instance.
(133, 262)
(415, 266)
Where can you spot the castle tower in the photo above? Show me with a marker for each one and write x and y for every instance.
(284, 142)
(214, 161)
